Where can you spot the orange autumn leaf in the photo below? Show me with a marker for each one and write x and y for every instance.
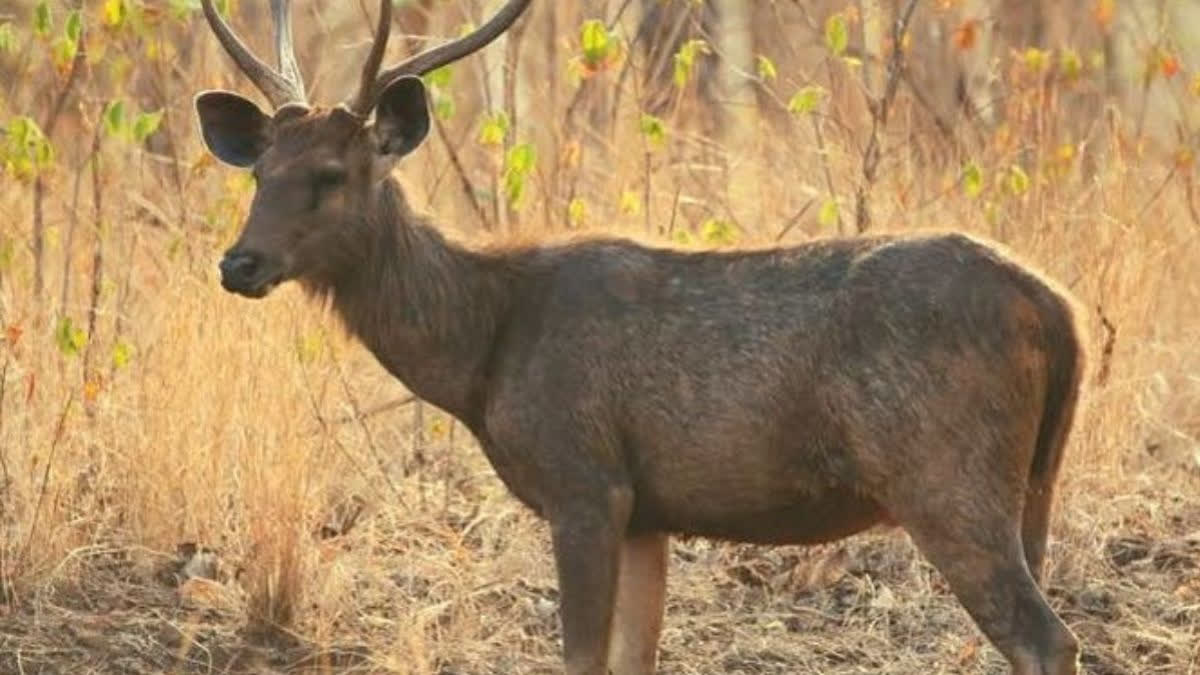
(1103, 11)
(91, 389)
(1169, 65)
(966, 34)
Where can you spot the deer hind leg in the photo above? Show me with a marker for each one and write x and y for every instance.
(972, 534)
(1035, 527)
(641, 596)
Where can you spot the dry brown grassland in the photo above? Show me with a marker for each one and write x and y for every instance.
(168, 414)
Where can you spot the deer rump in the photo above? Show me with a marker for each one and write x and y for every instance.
(775, 396)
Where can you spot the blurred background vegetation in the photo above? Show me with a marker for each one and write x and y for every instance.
(142, 408)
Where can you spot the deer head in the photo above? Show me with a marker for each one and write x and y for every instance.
(317, 169)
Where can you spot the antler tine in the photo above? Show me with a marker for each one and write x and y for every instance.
(365, 100)
(430, 59)
(278, 89)
(281, 11)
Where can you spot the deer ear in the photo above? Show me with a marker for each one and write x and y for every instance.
(234, 129)
(401, 116)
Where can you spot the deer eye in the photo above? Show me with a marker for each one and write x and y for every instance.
(325, 179)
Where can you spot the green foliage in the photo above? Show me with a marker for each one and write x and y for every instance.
(439, 77)
(653, 129)
(518, 164)
(69, 338)
(66, 46)
(26, 150)
(685, 60)
(145, 124)
(1070, 63)
(113, 13)
(630, 203)
(438, 83)
(806, 99)
(599, 45)
(122, 354)
(837, 36)
(577, 212)
(8, 39)
(766, 68)
(43, 22)
(180, 9)
(972, 178)
(114, 117)
(494, 129)
(118, 123)
(828, 215)
(74, 28)
(1018, 180)
(718, 232)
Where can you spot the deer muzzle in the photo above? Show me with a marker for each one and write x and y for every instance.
(249, 274)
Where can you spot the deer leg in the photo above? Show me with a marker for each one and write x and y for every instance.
(1035, 526)
(586, 536)
(641, 596)
(978, 551)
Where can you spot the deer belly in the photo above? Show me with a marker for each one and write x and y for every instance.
(812, 518)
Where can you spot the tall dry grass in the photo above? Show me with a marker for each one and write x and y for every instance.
(189, 415)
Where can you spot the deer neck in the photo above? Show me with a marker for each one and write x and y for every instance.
(427, 308)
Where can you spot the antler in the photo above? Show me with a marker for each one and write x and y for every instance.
(279, 87)
(373, 81)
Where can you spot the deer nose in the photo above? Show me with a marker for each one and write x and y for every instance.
(238, 269)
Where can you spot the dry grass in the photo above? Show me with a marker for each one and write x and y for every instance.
(238, 425)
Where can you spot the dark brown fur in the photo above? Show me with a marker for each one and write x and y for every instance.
(627, 393)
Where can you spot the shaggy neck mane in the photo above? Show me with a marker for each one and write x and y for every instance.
(428, 309)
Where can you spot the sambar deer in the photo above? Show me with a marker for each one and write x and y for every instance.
(626, 393)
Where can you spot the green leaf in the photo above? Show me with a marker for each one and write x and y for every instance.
(972, 179)
(114, 118)
(719, 232)
(630, 203)
(146, 124)
(521, 158)
(443, 107)
(8, 39)
(63, 51)
(577, 212)
(26, 150)
(74, 26)
(70, 339)
(827, 216)
(836, 34)
(518, 164)
(594, 37)
(113, 13)
(653, 129)
(181, 9)
(439, 77)
(122, 354)
(806, 99)
(1018, 180)
(494, 129)
(766, 68)
(42, 21)
(685, 60)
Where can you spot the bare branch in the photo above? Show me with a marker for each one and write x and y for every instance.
(880, 109)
